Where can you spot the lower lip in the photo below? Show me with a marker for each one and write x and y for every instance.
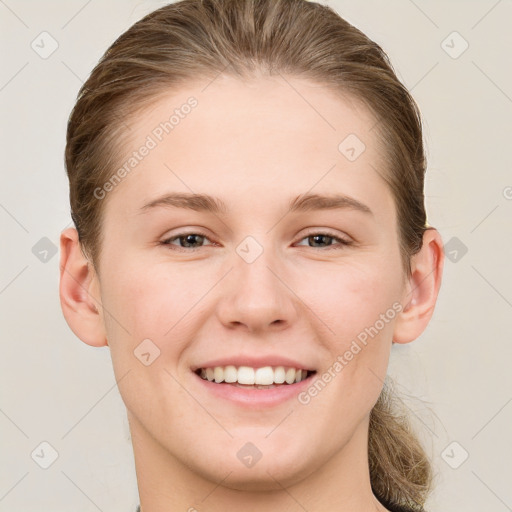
(251, 397)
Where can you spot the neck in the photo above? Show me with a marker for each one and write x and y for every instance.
(166, 484)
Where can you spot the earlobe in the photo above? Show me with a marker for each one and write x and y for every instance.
(79, 292)
(422, 290)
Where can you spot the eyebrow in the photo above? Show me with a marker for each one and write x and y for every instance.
(302, 203)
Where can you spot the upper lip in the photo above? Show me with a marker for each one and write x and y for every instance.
(253, 362)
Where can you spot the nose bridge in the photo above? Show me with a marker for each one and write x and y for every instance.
(257, 295)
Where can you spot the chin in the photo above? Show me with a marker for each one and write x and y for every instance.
(271, 474)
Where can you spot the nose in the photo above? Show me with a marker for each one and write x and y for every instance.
(257, 297)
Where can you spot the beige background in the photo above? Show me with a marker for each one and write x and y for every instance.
(56, 389)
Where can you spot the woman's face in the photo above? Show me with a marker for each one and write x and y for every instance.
(256, 283)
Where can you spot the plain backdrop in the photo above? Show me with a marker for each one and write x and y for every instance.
(456, 381)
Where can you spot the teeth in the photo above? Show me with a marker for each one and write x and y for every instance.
(265, 376)
(290, 376)
(230, 374)
(218, 374)
(245, 375)
(279, 375)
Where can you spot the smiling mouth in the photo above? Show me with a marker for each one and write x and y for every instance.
(265, 377)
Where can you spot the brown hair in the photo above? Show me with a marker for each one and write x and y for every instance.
(192, 39)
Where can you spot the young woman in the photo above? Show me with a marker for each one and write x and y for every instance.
(246, 183)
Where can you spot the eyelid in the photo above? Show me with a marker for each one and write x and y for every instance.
(340, 242)
(343, 239)
(181, 234)
(326, 231)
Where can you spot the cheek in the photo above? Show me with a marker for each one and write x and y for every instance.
(358, 308)
(141, 303)
(351, 299)
(359, 305)
(146, 303)
(151, 297)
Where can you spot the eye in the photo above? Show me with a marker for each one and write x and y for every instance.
(194, 241)
(325, 238)
(186, 241)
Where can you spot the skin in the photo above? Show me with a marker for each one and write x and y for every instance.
(255, 145)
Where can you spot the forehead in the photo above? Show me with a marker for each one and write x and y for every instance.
(257, 140)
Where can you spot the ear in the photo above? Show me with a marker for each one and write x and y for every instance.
(79, 291)
(422, 288)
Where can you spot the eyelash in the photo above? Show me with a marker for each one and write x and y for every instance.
(342, 241)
